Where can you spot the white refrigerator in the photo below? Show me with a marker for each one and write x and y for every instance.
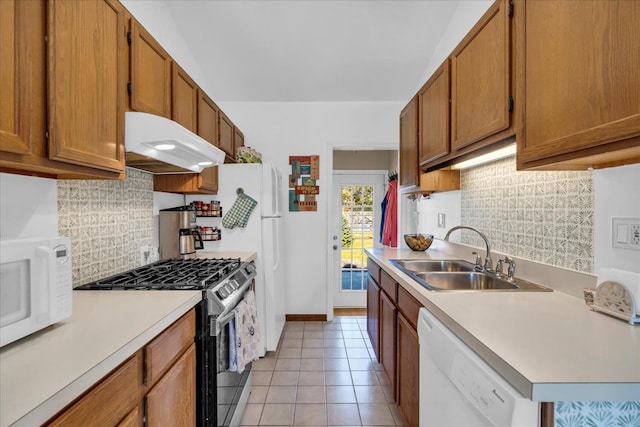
(262, 234)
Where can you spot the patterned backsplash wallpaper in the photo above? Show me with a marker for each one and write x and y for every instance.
(540, 216)
(107, 221)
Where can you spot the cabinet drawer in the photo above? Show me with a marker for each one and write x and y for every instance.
(164, 350)
(374, 270)
(408, 306)
(389, 285)
(110, 401)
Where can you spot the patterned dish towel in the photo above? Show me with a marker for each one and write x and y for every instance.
(239, 213)
(233, 360)
(246, 331)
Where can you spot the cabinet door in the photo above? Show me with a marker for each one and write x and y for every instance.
(86, 81)
(388, 339)
(225, 135)
(435, 117)
(409, 173)
(238, 140)
(373, 314)
(184, 98)
(172, 401)
(22, 76)
(207, 118)
(108, 402)
(408, 396)
(480, 79)
(133, 419)
(150, 74)
(208, 129)
(578, 98)
(208, 180)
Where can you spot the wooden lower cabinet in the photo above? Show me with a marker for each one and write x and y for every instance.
(134, 419)
(172, 401)
(108, 402)
(395, 320)
(388, 339)
(373, 314)
(408, 372)
(157, 384)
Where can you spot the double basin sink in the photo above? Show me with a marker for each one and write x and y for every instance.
(458, 275)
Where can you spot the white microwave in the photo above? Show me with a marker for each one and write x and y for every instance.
(35, 285)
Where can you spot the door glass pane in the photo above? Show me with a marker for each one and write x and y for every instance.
(357, 235)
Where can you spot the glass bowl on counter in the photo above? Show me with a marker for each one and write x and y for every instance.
(418, 242)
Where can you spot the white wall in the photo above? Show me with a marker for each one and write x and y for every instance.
(466, 15)
(279, 130)
(426, 220)
(28, 207)
(156, 19)
(617, 194)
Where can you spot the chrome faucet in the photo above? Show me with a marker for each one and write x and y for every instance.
(511, 270)
(488, 262)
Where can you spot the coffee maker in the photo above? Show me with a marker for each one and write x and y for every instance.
(179, 235)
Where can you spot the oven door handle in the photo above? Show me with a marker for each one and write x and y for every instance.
(221, 321)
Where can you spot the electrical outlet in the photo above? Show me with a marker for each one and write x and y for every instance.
(441, 220)
(625, 233)
(635, 234)
(145, 255)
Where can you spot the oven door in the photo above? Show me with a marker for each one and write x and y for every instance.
(229, 384)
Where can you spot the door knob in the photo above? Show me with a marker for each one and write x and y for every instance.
(335, 247)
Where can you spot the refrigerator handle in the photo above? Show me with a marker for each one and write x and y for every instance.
(275, 188)
(277, 245)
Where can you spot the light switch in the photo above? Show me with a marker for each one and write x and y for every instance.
(621, 233)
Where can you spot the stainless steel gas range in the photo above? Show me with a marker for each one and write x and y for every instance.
(223, 283)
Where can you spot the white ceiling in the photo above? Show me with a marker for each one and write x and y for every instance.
(322, 50)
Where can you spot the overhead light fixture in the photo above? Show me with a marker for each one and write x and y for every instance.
(501, 153)
(164, 147)
(205, 163)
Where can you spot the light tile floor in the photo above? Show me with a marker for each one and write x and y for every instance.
(322, 374)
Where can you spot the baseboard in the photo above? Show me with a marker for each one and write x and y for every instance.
(306, 317)
(345, 311)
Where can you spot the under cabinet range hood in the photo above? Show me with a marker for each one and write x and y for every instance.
(159, 145)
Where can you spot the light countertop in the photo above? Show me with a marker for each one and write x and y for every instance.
(42, 373)
(548, 345)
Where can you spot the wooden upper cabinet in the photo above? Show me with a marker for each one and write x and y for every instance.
(409, 173)
(207, 118)
(225, 135)
(579, 90)
(208, 129)
(238, 140)
(150, 73)
(481, 79)
(86, 75)
(435, 115)
(206, 182)
(184, 98)
(22, 113)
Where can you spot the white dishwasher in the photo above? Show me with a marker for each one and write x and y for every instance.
(458, 389)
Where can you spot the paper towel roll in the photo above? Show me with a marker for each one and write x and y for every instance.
(630, 279)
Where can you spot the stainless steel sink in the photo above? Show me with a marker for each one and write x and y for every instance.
(474, 281)
(418, 265)
(458, 275)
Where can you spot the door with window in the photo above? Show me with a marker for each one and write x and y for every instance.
(356, 226)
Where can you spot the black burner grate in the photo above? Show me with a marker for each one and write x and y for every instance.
(178, 274)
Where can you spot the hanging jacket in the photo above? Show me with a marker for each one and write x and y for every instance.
(390, 231)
